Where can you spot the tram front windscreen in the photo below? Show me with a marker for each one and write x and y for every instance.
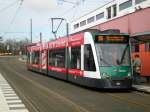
(112, 51)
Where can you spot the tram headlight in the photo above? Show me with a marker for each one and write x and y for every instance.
(129, 74)
(105, 75)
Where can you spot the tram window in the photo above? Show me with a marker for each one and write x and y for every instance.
(75, 58)
(28, 57)
(50, 59)
(89, 64)
(32, 57)
(36, 57)
(57, 58)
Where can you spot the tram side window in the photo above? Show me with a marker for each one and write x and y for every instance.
(28, 57)
(57, 58)
(32, 57)
(75, 58)
(89, 64)
(36, 57)
(50, 60)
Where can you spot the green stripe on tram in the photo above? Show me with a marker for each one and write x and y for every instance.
(115, 71)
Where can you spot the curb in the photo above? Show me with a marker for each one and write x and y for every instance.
(141, 88)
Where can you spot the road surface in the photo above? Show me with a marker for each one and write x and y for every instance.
(41, 93)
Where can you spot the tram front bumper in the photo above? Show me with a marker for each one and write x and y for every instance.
(115, 84)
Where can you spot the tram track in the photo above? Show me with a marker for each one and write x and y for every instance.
(77, 107)
(81, 109)
(141, 94)
(74, 98)
(128, 100)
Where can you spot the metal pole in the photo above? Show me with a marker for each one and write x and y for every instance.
(31, 29)
(67, 29)
(40, 37)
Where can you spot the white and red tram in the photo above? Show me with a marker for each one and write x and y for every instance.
(78, 59)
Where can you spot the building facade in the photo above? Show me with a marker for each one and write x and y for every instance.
(129, 16)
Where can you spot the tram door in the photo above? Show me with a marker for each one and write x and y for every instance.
(44, 61)
(29, 57)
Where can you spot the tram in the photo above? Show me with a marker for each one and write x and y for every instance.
(89, 58)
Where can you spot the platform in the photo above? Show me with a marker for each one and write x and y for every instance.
(9, 100)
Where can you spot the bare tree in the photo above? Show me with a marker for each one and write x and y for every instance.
(15, 47)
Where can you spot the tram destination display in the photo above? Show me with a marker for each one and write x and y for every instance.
(111, 39)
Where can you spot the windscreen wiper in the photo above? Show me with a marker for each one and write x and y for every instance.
(123, 54)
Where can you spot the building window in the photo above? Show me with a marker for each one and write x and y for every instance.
(135, 48)
(91, 19)
(57, 58)
(76, 26)
(125, 5)
(75, 61)
(100, 16)
(114, 10)
(108, 12)
(147, 46)
(89, 63)
(139, 1)
(82, 23)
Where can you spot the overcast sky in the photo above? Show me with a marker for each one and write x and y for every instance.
(16, 22)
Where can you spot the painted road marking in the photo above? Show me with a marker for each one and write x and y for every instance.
(8, 92)
(17, 105)
(12, 98)
(10, 95)
(7, 89)
(9, 101)
(16, 101)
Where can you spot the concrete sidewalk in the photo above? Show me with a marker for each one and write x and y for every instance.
(9, 100)
(144, 86)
